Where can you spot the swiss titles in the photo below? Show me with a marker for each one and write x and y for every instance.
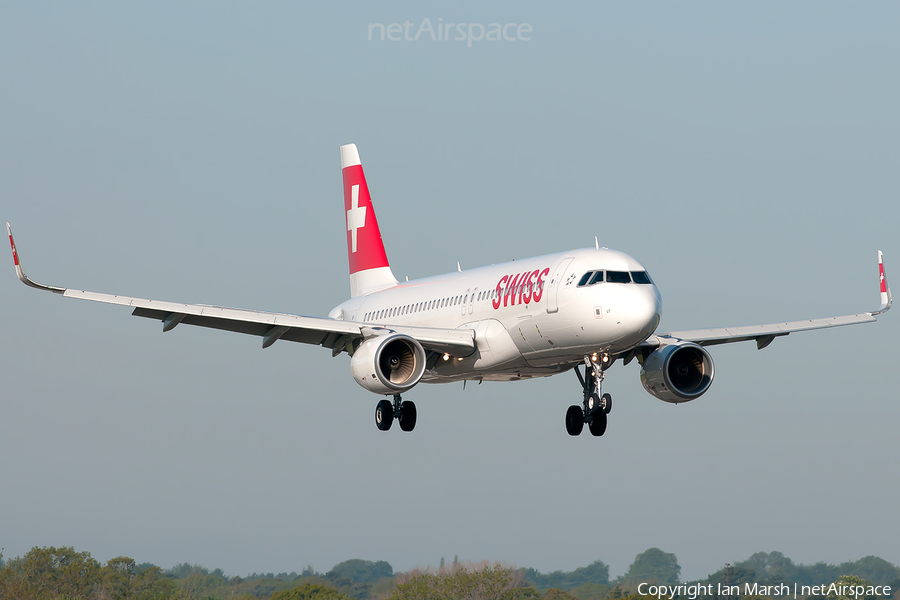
(522, 288)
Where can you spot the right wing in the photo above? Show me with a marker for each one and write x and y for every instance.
(336, 334)
(766, 334)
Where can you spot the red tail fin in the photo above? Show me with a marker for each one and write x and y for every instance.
(369, 268)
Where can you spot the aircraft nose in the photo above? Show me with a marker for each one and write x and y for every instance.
(645, 311)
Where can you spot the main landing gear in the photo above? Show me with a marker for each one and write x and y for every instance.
(404, 412)
(596, 406)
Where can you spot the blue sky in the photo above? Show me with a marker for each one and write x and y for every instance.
(746, 154)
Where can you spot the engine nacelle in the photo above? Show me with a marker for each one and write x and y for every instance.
(388, 364)
(678, 372)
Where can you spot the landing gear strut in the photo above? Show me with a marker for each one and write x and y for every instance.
(596, 406)
(403, 411)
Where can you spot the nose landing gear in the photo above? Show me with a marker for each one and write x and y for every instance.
(403, 411)
(596, 406)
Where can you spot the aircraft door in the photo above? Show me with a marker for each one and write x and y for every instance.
(556, 281)
(465, 302)
(472, 300)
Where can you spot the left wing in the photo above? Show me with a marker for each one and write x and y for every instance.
(338, 335)
(766, 334)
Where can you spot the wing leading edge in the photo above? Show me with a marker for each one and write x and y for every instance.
(335, 334)
(766, 334)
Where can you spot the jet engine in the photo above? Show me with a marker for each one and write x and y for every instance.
(677, 372)
(388, 364)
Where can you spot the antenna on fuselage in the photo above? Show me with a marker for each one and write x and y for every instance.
(596, 243)
(458, 268)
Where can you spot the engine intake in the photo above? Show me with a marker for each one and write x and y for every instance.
(388, 364)
(678, 372)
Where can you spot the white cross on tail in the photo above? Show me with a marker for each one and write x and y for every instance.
(356, 216)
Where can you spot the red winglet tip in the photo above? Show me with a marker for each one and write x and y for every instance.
(12, 245)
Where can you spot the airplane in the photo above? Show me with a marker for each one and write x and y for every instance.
(580, 311)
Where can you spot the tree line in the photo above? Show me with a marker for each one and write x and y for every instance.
(65, 574)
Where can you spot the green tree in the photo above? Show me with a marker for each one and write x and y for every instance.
(182, 570)
(362, 571)
(653, 565)
(851, 581)
(63, 573)
(597, 572)
(772, 568)
(49, 573)
(490, 583)
(557, 594)
(309, 591)
(874, 569)
(121, 579)
(590, 591)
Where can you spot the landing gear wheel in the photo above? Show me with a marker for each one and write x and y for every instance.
(574, 420)
(407, 415)
(384, 415)
(606, 403)
(598, 423)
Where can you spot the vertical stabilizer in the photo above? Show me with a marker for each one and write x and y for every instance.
(369, 268)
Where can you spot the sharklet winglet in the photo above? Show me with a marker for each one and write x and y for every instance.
(885, 288)
(20, 272)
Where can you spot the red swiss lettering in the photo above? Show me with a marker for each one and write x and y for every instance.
(528, 287)
(496, 301)
(515, 289)
(539, 285)
(510, 293)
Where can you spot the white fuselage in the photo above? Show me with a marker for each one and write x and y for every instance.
(531, 317)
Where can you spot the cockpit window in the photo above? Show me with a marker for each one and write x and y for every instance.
(618, 277)
(585, 278)
(597, 278)
(640, 277)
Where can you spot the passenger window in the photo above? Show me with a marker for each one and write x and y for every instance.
(597, 278)
(618, 277)
(640, 277)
